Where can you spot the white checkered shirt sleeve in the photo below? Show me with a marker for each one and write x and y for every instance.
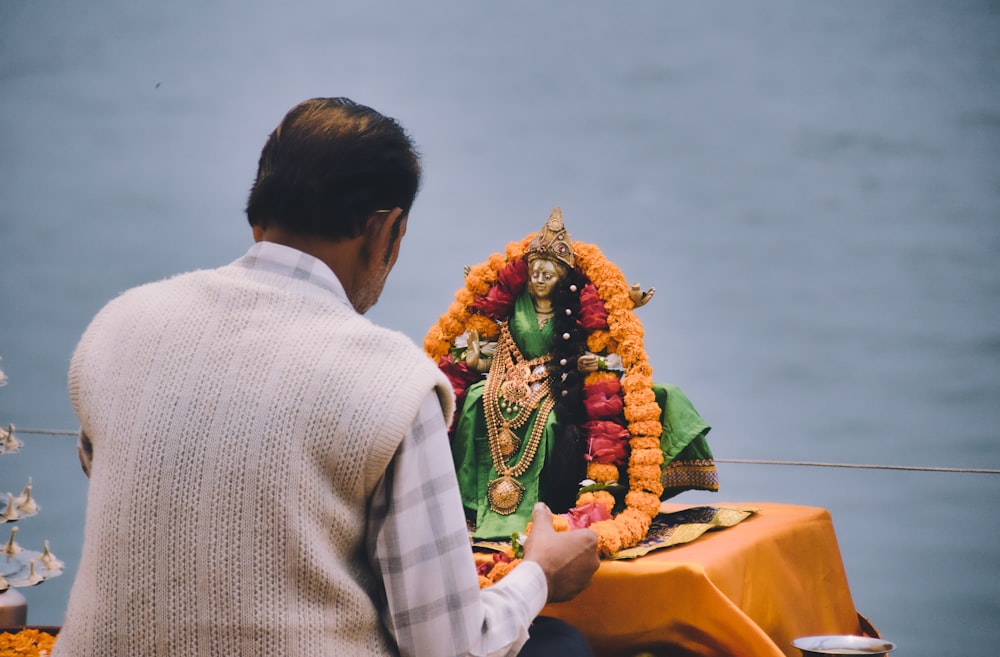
(419, 543)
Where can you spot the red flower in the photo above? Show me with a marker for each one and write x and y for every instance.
(606, 441)
(606, 385)
(581, 517)
(498, 302)
(514, 276)
(603, 400)
(593, 316)
(459, 374)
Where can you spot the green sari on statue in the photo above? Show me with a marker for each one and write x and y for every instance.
(687, 457)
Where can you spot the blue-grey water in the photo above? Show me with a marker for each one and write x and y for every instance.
(813, 189)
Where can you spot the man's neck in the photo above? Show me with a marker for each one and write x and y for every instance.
(341, 256)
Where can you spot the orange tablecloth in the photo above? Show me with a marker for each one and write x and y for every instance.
(745, 590)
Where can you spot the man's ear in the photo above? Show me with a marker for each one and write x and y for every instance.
(381, 222)
(384, 231)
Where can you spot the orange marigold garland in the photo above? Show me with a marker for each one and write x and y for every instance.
(28, 642)
(486, 327)
(602, 473)
(494, 565)
(623, 336)
(601, 497)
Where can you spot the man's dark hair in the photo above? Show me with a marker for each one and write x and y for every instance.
(330, 165)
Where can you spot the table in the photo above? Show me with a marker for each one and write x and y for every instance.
(745, 590)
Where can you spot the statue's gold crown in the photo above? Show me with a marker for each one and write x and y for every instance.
(552, 242)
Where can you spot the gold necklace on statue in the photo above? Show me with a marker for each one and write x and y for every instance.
(519, 386)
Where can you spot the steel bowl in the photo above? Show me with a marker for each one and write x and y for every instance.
(842, 644)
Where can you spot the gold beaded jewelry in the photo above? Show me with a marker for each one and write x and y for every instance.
(520, 386)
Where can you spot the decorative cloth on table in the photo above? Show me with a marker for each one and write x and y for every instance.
(679, 527)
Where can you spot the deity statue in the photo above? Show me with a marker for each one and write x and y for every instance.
(546, 358)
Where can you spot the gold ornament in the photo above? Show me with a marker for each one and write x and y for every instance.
(553, 242)
(521, 386)
(505, 494)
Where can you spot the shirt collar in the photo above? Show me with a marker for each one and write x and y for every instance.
(285, 260)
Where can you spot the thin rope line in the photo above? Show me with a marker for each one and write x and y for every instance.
(811, 464)
(18, 430)
(860, 466)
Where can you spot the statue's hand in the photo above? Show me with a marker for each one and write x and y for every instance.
(587, 363)
(473, 351)
(640, 298)
(465, 271)
(474, 356)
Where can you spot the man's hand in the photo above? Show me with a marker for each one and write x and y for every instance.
(568, 559)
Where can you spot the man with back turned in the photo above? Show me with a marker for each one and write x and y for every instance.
(269, 471)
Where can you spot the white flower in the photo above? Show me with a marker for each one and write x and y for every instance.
(614, 362)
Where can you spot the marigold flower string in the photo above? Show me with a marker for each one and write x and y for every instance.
(28, 642)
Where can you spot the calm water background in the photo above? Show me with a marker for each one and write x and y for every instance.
(813, 189)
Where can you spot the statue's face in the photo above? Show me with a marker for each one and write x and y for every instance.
(544, 276)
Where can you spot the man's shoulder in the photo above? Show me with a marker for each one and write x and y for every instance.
(180, 283)
(167, 282)
(425, 370)
(397, 343)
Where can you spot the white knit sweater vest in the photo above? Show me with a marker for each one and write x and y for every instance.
(240, 420)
